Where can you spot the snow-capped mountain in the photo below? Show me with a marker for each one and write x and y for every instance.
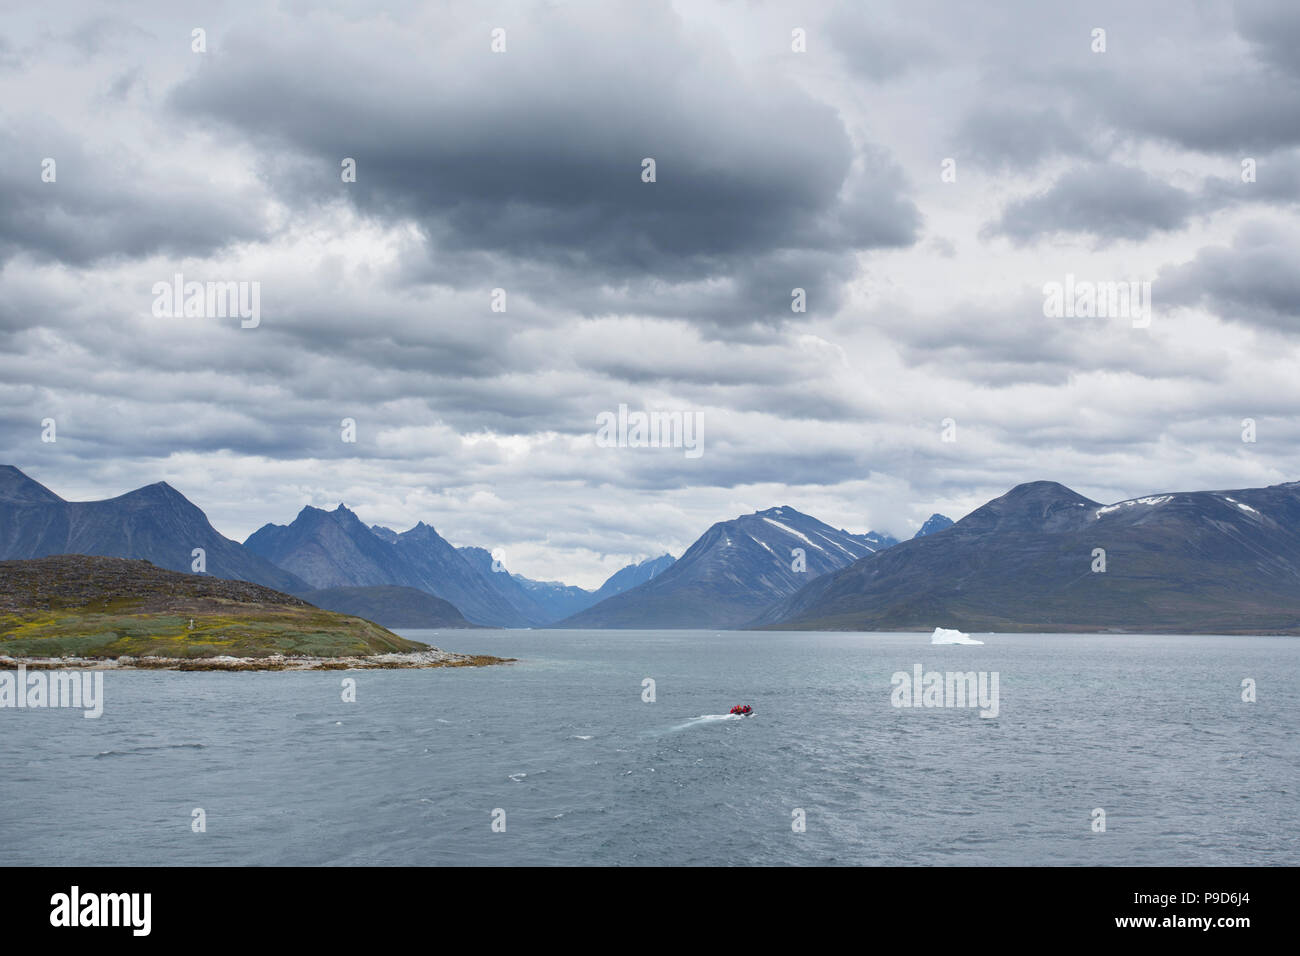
(1043, 558)
(733, 571)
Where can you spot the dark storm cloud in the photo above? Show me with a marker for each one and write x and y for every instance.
(1240, 114)
(1019, 137)
(1216, 78)
(533, 158)
(102, 205)
(1254, 281)
(1202, 93)
(1103, 201)
(1274, 27)
(873, 49)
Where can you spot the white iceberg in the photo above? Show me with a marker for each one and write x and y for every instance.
(942, 635)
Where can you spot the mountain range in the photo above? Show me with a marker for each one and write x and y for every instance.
(545, 602)
(156, 523)
(538, 602)
(332, 549)
(1044, 558)
(732, 570)
(335, 549)
(329, 557)
(339, 561)
(1039, 558)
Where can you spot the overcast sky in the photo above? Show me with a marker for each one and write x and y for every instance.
(522, 170)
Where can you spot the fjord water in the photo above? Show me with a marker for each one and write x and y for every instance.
(1152, 729)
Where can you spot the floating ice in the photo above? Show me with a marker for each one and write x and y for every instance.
(942, 635)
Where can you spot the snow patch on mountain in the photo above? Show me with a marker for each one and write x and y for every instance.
(825, 537)
(1153, 500)
(802, 537)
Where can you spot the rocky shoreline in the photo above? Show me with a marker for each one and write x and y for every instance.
(274, 662)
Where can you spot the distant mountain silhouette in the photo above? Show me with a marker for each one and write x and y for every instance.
(331, 549)
(632, 576)
(1185, 562)
(1030, 560)
(932, 524)
(155, 523)
(545, 602)
(732, 571)
(538, 602)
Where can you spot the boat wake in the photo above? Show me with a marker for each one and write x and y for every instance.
(707, 719)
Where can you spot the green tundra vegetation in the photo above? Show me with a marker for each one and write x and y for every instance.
(74, 605)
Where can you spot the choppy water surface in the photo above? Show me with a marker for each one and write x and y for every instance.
(1151, 729)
